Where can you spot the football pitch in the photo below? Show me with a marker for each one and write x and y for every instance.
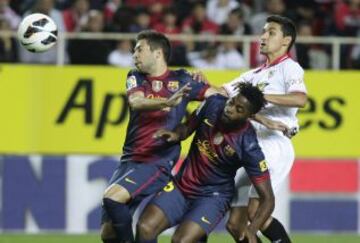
(215, 238)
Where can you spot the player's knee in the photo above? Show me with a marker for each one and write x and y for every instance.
(107, 231)
(117, 193)
(181, 238)
(146, 230)
(232, 228)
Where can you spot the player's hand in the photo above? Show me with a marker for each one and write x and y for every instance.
(176, 98)
(199, 77)
(248, 236)
(169, 136)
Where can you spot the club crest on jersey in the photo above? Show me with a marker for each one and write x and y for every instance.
(263, 166)
(218, 138)
(156, 85)
(270, 73)
(229, 151)
(131, 82)
(262, 85)
(173, 86)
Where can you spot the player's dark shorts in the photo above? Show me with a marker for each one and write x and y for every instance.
(140, 180)
(205, 211)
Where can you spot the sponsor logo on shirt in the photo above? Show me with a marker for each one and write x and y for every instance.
(206, 149)
(173, 86)
(206, 121)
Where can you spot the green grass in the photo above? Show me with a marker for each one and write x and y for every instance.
(215, 238)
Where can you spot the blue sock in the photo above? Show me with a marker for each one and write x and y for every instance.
(121, 219)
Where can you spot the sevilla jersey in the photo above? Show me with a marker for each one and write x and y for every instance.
(216, 153)
(283, 76)
(140, 146)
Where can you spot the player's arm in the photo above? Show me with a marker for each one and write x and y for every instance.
(212, 90)
(266, 206)
(138, 101)
(294, 99)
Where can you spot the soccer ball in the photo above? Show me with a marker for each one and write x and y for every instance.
(37, 32)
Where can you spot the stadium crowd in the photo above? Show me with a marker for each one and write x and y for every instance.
(211, 17)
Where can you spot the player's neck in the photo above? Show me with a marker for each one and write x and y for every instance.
(158, 70)
(271, 57)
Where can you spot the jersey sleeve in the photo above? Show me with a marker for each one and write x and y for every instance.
(133, 82)
(196, 117)
(294, 78)
(253, 158)
(198, 89)
(230, 87)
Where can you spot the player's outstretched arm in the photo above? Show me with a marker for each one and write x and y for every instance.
(295, 99)
(138, 101)
(212, 90)
(266, 207)
(181, 132)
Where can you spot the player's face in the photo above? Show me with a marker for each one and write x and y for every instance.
(144, 58)
(272, 39)
(237, 110)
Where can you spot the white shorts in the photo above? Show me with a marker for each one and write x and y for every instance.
(279, 155)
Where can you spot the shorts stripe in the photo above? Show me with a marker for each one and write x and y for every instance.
(151, 180)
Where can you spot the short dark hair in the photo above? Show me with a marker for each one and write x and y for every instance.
(253, 94)
(287, 27)
(156, 40)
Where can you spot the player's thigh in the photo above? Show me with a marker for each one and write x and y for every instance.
(152, 222)
(107, 231)
(171, 202)
(139, 180)
(207, 212)
(188, 231)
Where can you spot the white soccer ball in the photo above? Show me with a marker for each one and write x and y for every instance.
(37, 32)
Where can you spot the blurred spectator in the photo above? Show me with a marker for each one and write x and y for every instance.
(122, 19)
(347, 17)
(168, 24)
(229, 57)
(122, 55)
(75, 16)
(205, 59)
(218, 10)
(156, 12)
(49, 57)
(7, 14)
(198, 23)
(110, 9)
(90, 51)
(258, 21)
(147, 3)
(235, 24)
(142, 21)
(8, 44)
(310, 56)
(308, 11)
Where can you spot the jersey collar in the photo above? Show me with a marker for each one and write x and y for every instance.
(161, 77)
(273, 63)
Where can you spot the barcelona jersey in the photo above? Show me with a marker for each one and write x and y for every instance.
(217, 152)
(140, 146)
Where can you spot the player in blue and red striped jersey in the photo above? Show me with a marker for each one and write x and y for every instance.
(157, 99)
(201, 192)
